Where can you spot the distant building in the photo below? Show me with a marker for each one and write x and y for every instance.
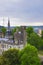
(8, 24)
(6, 44)
(39, 32)
(20, 36)
(18, 41)
(8, 32)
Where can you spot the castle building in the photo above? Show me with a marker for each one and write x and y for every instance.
(20, 36)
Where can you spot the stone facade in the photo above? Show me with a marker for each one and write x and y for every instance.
(6, 44)
(20, 36)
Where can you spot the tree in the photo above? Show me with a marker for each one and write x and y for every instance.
(29, 56)
(3, 29)
(10, 57)
(41, 44)
(35, 40)
(13, 31)
(42, 34)
(29, 30)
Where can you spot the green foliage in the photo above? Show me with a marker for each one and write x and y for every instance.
(41, 46)
(29, 30)
(18, 28)
(3, 29)
(10, 57)
(35, 40)
(29, 56)
(42, 34)
(13, 31)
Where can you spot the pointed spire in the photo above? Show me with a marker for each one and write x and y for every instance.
(8, 24)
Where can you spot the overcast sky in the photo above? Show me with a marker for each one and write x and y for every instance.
(21, 12)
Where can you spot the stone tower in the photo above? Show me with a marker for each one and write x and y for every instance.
(20, 36)
(23, 34)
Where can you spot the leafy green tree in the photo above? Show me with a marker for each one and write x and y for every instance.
(29, 56)
(13, 31)
(35, 40)
(42, 34)
(10, 57)
(29, 30)
(41, 44)
(3, 29)
(1, 60)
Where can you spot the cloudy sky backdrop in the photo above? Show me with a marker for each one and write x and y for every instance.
(21, 12)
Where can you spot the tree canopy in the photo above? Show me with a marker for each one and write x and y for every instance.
(29, 56)
(42, 34)
(29, 30)
(10, 57)
(13, 31)
(3, 29)
(35, 40)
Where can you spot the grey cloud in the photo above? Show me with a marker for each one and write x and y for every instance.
(25, 9)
